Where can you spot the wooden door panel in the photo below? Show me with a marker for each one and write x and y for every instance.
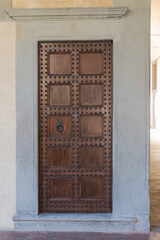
(67, 126)
(91, 188)
(91, 157)
(91, 126)
(91, 95)
(59, 95)
(60, 188)
(60, 63)
(59, 157)
(75, 127)
(91, 63)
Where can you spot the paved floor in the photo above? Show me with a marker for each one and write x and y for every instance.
(76, 236)
(155, 178)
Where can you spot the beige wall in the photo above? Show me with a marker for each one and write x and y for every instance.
(60, 3)
(7, 125)
(155, 29)
(155, 17)
(155, 54)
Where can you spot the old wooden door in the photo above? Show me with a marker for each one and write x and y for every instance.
(75, 127)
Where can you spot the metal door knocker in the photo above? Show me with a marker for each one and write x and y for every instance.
(60, 126)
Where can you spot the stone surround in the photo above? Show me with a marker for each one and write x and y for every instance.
(130, 35)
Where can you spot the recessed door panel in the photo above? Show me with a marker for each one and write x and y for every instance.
(60, 126)
(59, 188)
(75, 127)
(91, 188)
(60, 157)
(91, 157)
(60, 63)
(59, 95)
(91, 94)
(91, 126)
(91, 63)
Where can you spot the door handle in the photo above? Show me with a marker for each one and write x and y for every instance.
(60, 126)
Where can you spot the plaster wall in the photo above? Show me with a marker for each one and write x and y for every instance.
(7, 125)
(130, 119)
(131, 157)
(60, 3)
(7, 100)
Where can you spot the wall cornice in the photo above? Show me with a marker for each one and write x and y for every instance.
(66, 13)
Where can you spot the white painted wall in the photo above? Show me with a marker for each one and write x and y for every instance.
(7, 125)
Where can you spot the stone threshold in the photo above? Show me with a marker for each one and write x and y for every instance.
(74, 223)
(74, 217)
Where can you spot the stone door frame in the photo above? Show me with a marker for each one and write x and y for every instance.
(45, 25)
